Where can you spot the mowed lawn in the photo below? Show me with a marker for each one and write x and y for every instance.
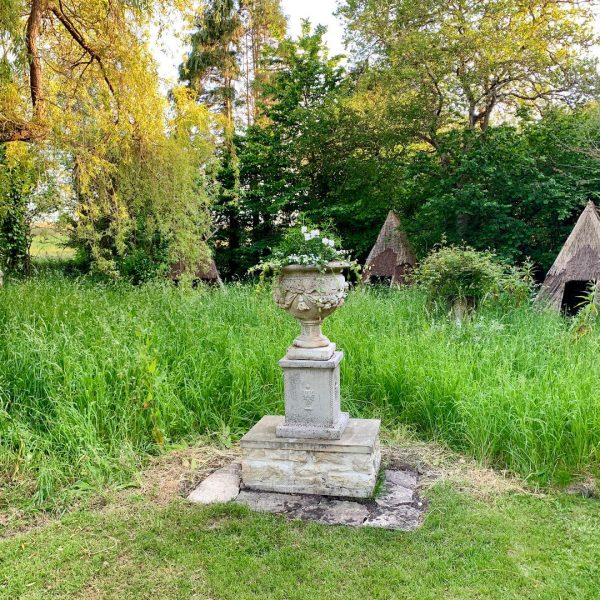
(507, 546)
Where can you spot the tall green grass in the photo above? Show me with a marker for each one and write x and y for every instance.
(93, 378)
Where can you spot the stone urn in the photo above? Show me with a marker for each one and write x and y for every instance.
(310, 294)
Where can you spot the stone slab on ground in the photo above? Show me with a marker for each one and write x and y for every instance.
(346, 467)
(397, 507)
(398, 489)
(221, 486)
(405, 518)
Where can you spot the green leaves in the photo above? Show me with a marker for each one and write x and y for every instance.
(514, 190)
(441, 64)
(453, 273)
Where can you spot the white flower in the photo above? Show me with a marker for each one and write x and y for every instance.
(331, 243)
(304, 229)
(325, 241)
(314, 233)
(307, 237)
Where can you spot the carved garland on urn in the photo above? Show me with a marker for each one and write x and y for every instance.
(310, 295)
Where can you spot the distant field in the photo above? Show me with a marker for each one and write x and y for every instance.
(49, 242)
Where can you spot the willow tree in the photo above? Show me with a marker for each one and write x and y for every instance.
(53, 50)
(77, 75)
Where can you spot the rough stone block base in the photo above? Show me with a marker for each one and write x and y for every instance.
(345, 467)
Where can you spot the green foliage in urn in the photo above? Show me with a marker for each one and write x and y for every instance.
(305, 244)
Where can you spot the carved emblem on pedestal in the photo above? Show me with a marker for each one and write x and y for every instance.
(308, 394)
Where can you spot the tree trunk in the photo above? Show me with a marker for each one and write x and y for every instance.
(28, 131)
(34, 23)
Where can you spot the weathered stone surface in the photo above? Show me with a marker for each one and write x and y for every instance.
(325, 353)
(406, 518)
(335, 512)
(395, 497)
(406, 479)
(221, 486)
(271, 502)
(310, 294)
(322, 509)
(307, 507)
(360, 437)
(312, 399)
(347, 467)
(398, 489)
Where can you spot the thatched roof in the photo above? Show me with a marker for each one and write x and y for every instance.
(208, 274)
(391, 256)
(579, 259)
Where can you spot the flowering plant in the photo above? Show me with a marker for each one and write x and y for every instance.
(305, 244)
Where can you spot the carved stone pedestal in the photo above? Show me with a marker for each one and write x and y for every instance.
(312, 399)
(315, 448)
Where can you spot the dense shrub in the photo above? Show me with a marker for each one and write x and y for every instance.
(459, 278)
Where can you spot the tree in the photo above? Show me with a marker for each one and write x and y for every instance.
(442, 64)
(71, 52)
(521, 188)
(283, 155)
(27, 190)
(263, 23)
(82, 79)
(141, 201)
(226, 49)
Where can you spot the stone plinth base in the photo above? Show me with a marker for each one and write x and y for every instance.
(345, 467)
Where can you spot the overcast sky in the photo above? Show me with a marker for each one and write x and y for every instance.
(169, 50)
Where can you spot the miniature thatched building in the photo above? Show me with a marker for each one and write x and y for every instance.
(391, 257)
(577, 265)
(203, 273)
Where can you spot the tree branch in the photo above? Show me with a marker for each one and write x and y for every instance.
(78, 37)
(32, 34)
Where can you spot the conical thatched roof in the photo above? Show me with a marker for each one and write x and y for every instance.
(579, 259)
(391, 256)
(208, 274)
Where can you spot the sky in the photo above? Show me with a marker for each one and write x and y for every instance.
(169, 50)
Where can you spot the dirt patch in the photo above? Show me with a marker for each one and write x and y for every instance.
(179, 472)
(587, 488)
(435, 463)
